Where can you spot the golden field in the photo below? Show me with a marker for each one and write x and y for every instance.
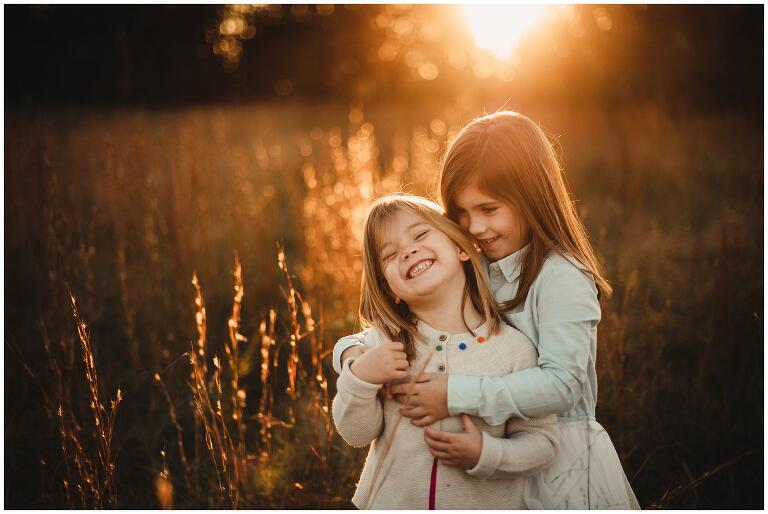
(224, 399)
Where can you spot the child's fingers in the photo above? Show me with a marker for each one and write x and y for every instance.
(439, 435)
(423, 422)
(405, 388)
(399, 375)
(439, 454)
(399, 398)
(413, 412)
(436, 445)
(399, 355)
(401, 364)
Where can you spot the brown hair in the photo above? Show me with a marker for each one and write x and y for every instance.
(507, 156)
(377, 303)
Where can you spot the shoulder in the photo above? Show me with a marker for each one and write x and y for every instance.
(565, 272)
(375, 337)
(564, 289)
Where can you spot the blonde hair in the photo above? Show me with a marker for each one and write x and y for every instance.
(507, 156)
(377, 303)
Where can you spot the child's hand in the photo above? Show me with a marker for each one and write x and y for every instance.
(461, 450)
(429, 401)
(384, 363)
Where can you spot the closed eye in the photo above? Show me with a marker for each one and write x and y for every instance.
(421, 234)
(489, 210)
(388, 256)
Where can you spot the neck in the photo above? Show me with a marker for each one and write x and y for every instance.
(445, 313)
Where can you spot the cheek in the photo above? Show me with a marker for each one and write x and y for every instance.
(391, 275)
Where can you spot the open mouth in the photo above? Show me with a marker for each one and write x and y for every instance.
(419, 268)
(488, 241)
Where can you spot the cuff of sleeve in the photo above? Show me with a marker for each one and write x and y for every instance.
(352, 384)
(463, 395)
(341, 345)
(490, 456)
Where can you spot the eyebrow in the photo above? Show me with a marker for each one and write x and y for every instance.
(408, 228)
(480, 205)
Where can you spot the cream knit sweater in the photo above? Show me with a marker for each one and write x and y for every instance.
(409, 474)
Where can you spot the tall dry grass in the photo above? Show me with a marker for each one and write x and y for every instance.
(227, 394)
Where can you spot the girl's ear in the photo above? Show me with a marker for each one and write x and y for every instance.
(397, 300)
(463, 256)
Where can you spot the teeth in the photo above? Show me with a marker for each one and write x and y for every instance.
(489, 241)
(419, 268)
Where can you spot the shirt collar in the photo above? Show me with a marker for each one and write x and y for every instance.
(511, 265)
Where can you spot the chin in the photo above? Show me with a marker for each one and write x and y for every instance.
(492, 255)
(419, 291)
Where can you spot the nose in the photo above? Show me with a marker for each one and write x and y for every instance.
(476, 225)
(409, 253)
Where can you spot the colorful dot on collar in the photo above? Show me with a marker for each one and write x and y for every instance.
(462, 346)
(480, 339)
(439, 347)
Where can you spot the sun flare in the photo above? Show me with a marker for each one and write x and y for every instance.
(499, 28)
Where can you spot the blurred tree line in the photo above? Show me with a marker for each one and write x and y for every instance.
(689, 57)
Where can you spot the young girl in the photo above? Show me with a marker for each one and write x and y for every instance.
(424, 287)
(501, 181)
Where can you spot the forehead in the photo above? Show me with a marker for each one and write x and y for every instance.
(471, 196)
(399, 222)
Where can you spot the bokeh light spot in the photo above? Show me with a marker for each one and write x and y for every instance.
(428, 71)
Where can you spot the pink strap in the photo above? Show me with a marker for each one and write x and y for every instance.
(433, 485)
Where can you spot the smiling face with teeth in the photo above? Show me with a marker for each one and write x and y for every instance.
(419, 261)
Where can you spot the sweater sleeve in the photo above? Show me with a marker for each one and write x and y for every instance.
(344, 343)
(567, 313)
(357, 412)
(528, 445)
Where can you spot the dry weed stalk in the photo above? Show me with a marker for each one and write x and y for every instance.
(238, 395)
(207, 415)
(200, 322)
(293, 357)
(200, 358)
(318, 386)
(62, 395)
(228, 454)
(267, 335)
(101, 478)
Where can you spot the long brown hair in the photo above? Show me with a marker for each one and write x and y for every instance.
(377, 303)
(507, 156)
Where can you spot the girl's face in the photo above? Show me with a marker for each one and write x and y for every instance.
(498, 229)
(419, 262)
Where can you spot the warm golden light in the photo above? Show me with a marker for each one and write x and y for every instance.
(499, 28)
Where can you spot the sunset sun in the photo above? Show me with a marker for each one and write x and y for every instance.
(499, 28)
